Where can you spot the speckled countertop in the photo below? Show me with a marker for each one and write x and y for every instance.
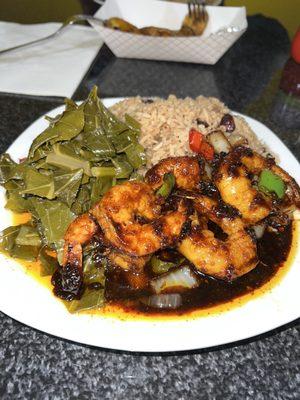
(34, 365)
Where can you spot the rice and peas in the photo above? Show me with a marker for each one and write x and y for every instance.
(165, 124)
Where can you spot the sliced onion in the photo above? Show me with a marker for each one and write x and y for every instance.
(236, 139)
(169, 301)
(181, 278)
(208, 170)
(259, 230)
(219, 142)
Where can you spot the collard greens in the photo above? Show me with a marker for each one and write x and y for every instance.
(66, 127)
(69, 167)
(54, 218)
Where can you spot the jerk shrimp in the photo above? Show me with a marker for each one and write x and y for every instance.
(228, 259)
(130, 217)
(232, 179)
(186, 170)
(255, 163)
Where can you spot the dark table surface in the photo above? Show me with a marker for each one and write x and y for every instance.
(34, 365)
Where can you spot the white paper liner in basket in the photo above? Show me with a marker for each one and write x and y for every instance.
(225, 26)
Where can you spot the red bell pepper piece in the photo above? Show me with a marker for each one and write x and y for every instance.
(195, 140)
(199, 145)
(207, 151)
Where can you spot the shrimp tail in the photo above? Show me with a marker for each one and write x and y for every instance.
(79, 232)
(68, 280)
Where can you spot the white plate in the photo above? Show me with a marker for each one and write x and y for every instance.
(24, 299)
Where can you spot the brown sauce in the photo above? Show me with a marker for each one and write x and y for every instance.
(213, 296)
(273, 251)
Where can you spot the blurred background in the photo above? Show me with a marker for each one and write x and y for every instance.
(32, 11)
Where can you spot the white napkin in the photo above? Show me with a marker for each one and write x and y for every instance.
(52, 68)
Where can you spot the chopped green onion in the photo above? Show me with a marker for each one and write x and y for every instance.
(159, 266)
(271, 183)
(167, 186)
